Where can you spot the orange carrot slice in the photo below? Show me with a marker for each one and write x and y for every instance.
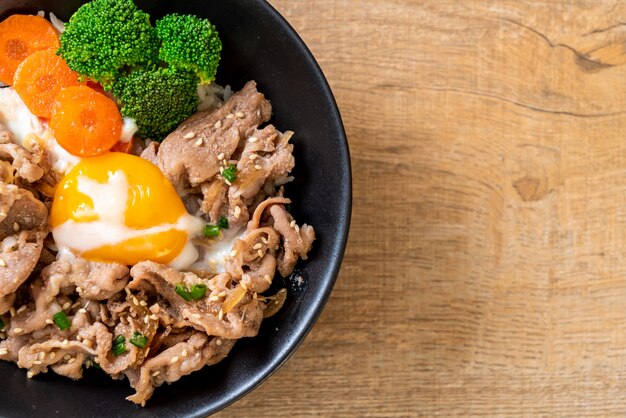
(125, 147)
(85, 122)
(39, 78)
(20, 36)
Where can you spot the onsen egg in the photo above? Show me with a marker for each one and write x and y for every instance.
(120, 208)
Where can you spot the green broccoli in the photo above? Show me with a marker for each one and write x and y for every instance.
(105, 38)
(189, 42)
(157, 99)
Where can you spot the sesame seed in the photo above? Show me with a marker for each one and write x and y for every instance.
(154, 317)
(12, 311)
(37, 362)
(297, 228)
(199, 142)
(174, 359)
(3, 351)
(233, 253)
(53, 355)
(258, 167)
(293, 223)
(253, 157)
(267, 278)
(156, 373)
(49, 321)
(218, 342)
(18, 330)
(228, 182)
(220, 315)
(30, 374)
(155, 308)
(66, 342)
(67, 357)
(189, 135)
(66, 305)
(260, 253)
(21, 309)
(184, 353)
(257, 246)
(230, 116)
(221, 170)
(264, 240)
(16, 227)
(240, 115)
(135, 301)
(213, 298)
(253, 139)
(72, 360)
(218, 124)
(42, 355)
(220, 156)
(82, 310)
(237, 212)
(79, 289)
(3, 263)
(146, 319)
(143, 303)
(143, 404)
(221, 294)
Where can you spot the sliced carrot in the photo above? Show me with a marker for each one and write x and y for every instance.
(85, 122)
(20, 36)
(40, 77)
(125, 147)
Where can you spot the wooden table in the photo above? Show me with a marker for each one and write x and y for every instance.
(485, 273)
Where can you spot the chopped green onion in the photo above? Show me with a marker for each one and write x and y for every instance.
(138, 339)
(119, 345)
(198, 291)
(182, 291)
(230, 173)
(62, 321)
(2, 324)
(211, 231)
(223, 222)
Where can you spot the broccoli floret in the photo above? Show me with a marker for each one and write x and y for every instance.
(157, 99)
(189, 42)
(104, 38)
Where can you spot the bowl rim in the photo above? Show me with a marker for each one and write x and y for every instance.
(296, 340)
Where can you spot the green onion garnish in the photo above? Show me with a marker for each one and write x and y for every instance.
(2, 324)
(62, 321)
(119, 345)
(223, 222)
(138, 339)
(183, 292)
(198, 291)
(230, 173)
(211, 231)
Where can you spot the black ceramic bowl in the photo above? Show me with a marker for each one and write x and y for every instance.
(258, 45)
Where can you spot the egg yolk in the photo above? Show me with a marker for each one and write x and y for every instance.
(119, 208)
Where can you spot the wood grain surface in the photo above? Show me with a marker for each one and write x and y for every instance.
(485, 272)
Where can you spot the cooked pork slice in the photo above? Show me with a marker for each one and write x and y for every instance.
(23, 227)
(20, 211)
(189, 155)
(29, 164)
(225, 310)
(175, 362)
(297, 240)
(93, 280)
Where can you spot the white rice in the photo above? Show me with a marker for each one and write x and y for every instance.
(212, 95)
